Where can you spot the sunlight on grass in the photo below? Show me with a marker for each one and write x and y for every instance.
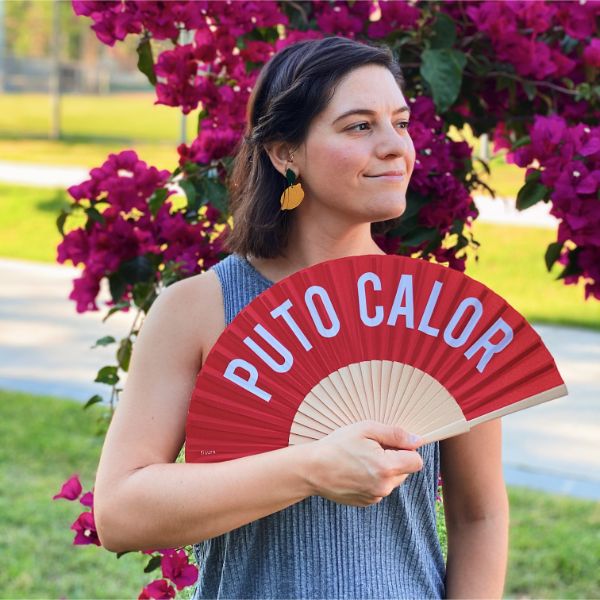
(86, 118)
(511, 263)
(87, 155)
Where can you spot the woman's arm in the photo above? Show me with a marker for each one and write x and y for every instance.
(144, 500)
(476, 509)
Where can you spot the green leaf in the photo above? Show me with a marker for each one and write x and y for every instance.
(201, 116)
(442, 70)
(104, 341)
(116, 308)
(531, 193)
(572, 267)
(94, 215)
(124, 353)
(414, 203)
(137, 269)
(119, 554)
(157, 200)
(216, 193)
(145, 60)
(529, 89)
(419, 236)
(552, 253)
(107, 375)
(444, 32)
(153, 564)
(60, 221)
(568, 44)
(144, 295)
(117, 286)
(190, 191)
(93, 400)
(526, 139)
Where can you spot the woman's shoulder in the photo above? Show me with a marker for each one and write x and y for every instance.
(193, 307)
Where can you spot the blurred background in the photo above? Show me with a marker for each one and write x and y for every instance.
(66, 102)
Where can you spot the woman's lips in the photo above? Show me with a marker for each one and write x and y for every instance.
(396, 177)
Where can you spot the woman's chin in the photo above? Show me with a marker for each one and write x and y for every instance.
(389, 210)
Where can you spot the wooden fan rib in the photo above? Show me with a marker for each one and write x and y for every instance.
(420, 391)
(449, 430)
(319, 400)
(552, 394)
(336, 397)
(310, 411)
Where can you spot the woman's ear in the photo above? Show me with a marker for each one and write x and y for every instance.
(279, 153)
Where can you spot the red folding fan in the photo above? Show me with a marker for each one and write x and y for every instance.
(394, 339)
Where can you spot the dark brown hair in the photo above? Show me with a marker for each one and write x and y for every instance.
(293, 87)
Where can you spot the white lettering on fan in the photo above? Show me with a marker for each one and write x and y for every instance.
(249, 383)
(371, 315)
(317, 290)
(403, 304)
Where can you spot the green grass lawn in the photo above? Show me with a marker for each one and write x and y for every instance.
(129, 117)
(86, 154)
(511, 259)
(554, 541)
(28, 222)
(92, 127)
(511, 262)
(45, 441)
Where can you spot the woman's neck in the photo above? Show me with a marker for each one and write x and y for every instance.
(314, 245)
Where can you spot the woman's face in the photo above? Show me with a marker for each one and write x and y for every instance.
(358, 156)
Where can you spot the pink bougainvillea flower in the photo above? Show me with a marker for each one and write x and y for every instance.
(85, 529)
(341, 18)
(87, 499)
(536, 16)
(578, 19)
(176, 567)
(241, 17)
(257, 51)
(70, 489)
(297, 36)
(176, 71)
(206, 50)
(158, 590)
(213, 142)
(591, 53)
(112, 20)
(85, 291)
(494, 18)
(394, 15)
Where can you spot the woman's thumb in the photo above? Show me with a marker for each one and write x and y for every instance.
(392, 436)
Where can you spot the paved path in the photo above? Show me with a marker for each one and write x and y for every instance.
(45, 349)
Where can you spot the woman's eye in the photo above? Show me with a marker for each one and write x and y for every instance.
(357, 125)
(403, 124)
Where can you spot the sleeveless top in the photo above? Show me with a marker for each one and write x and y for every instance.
(318, 548)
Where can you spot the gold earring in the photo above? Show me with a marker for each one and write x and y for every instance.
(293, 194)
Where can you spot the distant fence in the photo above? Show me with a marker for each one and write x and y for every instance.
(33, 75)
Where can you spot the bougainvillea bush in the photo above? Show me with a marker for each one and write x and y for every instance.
(523, 72)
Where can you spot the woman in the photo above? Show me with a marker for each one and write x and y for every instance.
(342, 516)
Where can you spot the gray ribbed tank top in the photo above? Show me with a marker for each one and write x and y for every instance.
(318, 548)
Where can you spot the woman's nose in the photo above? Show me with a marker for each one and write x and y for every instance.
(392, 140)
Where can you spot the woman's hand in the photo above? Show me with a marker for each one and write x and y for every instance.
(362, 463)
